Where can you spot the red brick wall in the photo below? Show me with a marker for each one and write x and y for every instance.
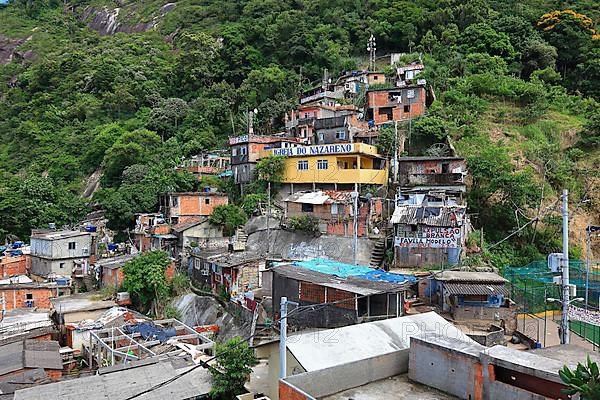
(115, 278)
(338, 295)
(15, 298)
(288, 393)
(10, 266)
(378, 99)
(193, 205)
(312, 293)
(170, 271)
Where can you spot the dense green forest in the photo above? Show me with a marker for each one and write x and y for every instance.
(517, 86)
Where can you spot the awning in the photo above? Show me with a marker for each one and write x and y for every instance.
(165, 237)
(476, 289)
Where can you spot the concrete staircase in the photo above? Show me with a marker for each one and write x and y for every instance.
(241, 238)
(378, 253)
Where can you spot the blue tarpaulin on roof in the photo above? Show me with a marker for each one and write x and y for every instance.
(343, 270)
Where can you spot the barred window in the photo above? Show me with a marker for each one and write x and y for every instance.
(322, 164)
(303, 165)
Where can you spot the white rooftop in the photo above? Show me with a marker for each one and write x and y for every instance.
(328, 348)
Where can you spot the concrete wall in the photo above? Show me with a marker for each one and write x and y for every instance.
(300, 246)
(336, 379)
(456, 372)
(44, 267)
(505, 315)
(59, 248)
(243, 173)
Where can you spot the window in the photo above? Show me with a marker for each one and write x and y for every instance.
(61, 265)
(29, 296)
(322, 164)
(234, 152)
(340, 135)
(334, 209)
(307, 207)
(375, 77)
(315, 114)
(407, 108)
(445, 168)
(72, 245)
(243, 151)
(207, 200)
(306, 115)
(109, 272)
(303, 165)
(387, 111)
(321, 137)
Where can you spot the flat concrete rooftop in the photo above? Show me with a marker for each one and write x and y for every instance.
(395, 388)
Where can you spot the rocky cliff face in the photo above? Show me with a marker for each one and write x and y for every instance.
(108, 21)
(9, 50)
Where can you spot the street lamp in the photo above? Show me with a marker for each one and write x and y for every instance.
(553, 300)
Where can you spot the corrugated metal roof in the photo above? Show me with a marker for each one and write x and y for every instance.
(476, 288)
(469, 276)
(321, 197)
(431, 216)
(356, 285)
(121, 385)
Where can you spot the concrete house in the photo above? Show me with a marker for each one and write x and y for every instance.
(333, 166)
(60, 252)
(363, 361)
(245, 152)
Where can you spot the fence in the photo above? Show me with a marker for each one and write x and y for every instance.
(533, 284)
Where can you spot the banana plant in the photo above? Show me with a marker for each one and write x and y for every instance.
(583, 380)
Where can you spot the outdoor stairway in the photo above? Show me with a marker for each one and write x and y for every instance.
(378, 253)
(241, 238)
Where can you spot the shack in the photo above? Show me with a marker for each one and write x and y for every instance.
(359, 294)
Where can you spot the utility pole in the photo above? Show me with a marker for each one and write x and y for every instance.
(565, 269)
(588, 263)
(355, 225)
(268, 217)
(283, 336)
(371, 48)
(395, 151)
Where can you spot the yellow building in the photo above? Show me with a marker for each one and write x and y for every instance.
(342, 163)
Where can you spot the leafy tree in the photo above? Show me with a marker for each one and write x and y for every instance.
(145, 277)
(251, 202)
(270, 168)
(229, 216)
(430, 126)
(482, 38)
(584, 380)
(131, 148)
(234, 364)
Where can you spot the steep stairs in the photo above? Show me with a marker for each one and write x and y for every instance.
(378, 253)
(241, 238)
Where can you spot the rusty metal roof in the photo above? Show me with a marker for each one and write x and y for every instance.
(453, 216)
(476, 288)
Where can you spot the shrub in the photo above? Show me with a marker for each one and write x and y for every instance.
(305, 223)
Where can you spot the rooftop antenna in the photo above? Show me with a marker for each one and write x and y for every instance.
(371, 48)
